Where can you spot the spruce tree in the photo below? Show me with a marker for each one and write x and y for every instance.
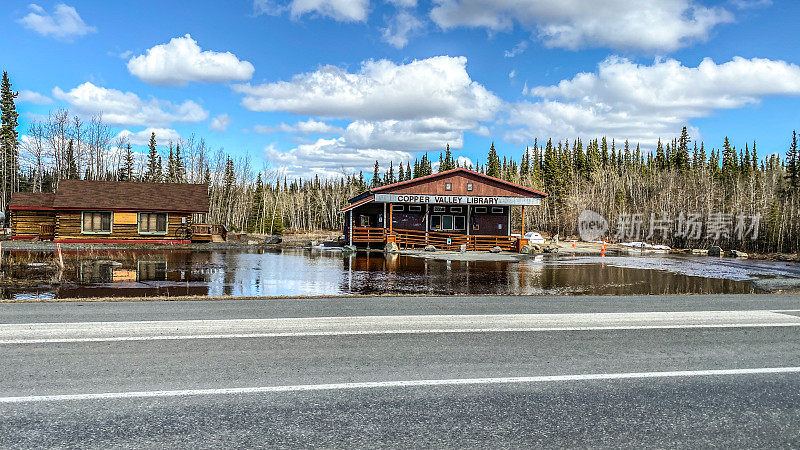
(493, 167)
(159, 175)
(729, 165)
(793, 163)
(681, 154)
(180, 165)
(152, 161)
(128, 167)
(376, 177)
(72, 167)
(171, 173)
(9, 143)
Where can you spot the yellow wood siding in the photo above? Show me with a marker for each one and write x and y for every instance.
(68, 226)
(27, 223)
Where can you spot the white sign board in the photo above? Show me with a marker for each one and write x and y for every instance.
(457, 200)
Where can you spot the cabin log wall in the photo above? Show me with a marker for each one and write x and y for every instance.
(27, 223)
(68, 227)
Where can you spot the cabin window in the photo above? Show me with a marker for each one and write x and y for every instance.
(447, 222)
(448, 186)
(497, 210)
(436, 222)
(363, 220)
(152, 223)
(458, 223)
(397, 208)
(415, 208)
(199, 218)
(469, 186)
(455, 209)
(96, 222)
(480, 210)
(438, 209)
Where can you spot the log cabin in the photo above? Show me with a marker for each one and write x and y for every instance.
(447, 209)
(110, 211)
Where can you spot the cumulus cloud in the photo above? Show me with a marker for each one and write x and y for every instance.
(380, 90)
(650, 25)
(64, 23)
(305, 127)
(395, 109)
(33, 97)
(220, 123)
(400, 28)
(181, 60)
(645, 102)
(126, 108)
(340, 10)
(330, 158)
(163, 136)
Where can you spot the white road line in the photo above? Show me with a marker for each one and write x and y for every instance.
(397, 384)
(179, 337)
(44, 333)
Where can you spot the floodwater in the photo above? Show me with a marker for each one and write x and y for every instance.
(307, 272)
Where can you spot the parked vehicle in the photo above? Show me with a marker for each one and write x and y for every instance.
(534, 237)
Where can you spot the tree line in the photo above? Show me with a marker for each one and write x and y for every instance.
(617, 180)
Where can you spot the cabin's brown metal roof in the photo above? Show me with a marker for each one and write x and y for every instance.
(124, 196)
(32, 200)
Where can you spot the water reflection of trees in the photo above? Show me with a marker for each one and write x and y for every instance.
(378, 273)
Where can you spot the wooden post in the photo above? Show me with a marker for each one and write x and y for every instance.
(523, 221)
(390, 217)
(60, 257)
(384, 215)
(427, 221)
(351, 227)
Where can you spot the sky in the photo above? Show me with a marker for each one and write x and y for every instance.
(328, 87)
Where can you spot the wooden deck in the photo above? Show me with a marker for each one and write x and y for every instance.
(209, 233)
(406, 239)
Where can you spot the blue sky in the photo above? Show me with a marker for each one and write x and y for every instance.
(329, 86)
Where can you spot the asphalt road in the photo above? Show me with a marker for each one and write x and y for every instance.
(403, 372)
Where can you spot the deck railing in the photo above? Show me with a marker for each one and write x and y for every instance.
(369, 235)
(444, 241)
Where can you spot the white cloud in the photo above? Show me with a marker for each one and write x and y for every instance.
(751, 4)
(330, 158)
(33, 97)
(126, 108)
(512, 74)
(380, 90)
(408, 135)
(220, 123)
(181, 60)
(340, 10)
(400, 27)
(395, 109)
(651, 25)
(305, 128)
(644, 102)
(463, 161)
(64, 23)
(163, 136)
(517, 50)
(403, 3)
